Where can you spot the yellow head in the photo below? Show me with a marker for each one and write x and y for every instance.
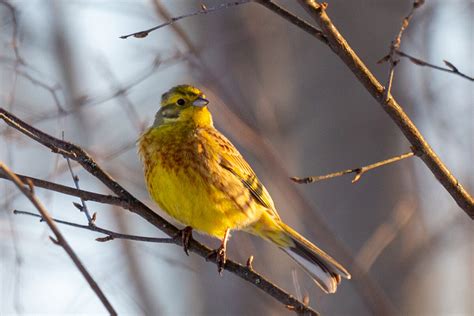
(183, 104)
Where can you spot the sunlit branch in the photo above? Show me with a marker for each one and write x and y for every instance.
(359, 171)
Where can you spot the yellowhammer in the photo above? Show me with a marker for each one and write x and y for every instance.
(197, 176)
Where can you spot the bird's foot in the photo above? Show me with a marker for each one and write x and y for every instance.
(220, 253)
(221, 257)
(185, 235)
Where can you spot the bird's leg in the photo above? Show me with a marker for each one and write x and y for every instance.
(220, 252)
(186, 235)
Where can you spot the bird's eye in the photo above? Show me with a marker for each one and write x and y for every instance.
(180, 102)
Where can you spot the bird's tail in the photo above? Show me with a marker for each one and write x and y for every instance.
(323, 269)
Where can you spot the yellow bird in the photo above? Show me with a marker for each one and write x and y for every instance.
(198, 177)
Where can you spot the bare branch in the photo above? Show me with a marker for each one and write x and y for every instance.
(421, 148)
(110, 235)
(203, 10)
(75, 178)
(86, 195)
(359, 172)
(79, 155)
(395, 45)
(59, 240)
(451, 68)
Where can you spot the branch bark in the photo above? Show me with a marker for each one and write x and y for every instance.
(76, 153)
(421, 148)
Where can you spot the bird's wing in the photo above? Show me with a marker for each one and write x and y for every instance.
(231, 160)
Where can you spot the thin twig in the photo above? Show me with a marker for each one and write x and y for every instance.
(451, 68)
(395, 45)
(60, 240)
(110, 235)
(75, 178)
(203, 10)
(359, 172)
(78, 154)
(420, 146)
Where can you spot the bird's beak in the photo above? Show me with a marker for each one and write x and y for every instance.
(201, 101)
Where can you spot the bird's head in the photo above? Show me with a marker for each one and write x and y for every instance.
(183, 104)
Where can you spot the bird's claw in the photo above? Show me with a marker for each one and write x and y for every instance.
(185, 235)
(221, 258)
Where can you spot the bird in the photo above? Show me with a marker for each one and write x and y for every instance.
(197, 176)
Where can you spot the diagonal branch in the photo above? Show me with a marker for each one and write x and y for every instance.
(60, 240)
(451, 68)
(420, 146)
(359, 171)
(77, 154)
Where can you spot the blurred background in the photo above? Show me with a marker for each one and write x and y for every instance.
(291, 107)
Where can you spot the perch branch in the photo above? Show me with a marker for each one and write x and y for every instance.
(359, 172)
(77, 154)
(60, 240)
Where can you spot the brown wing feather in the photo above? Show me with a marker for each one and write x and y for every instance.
(232, 161)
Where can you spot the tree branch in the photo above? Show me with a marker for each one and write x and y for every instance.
(421, 148)
(60, 240)
(83, 207)
(452, 69)
(293, 19)
(77, 154)
(110, 235)
(395, 45)
(204, 10)
(359, 172)
(83, 194)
